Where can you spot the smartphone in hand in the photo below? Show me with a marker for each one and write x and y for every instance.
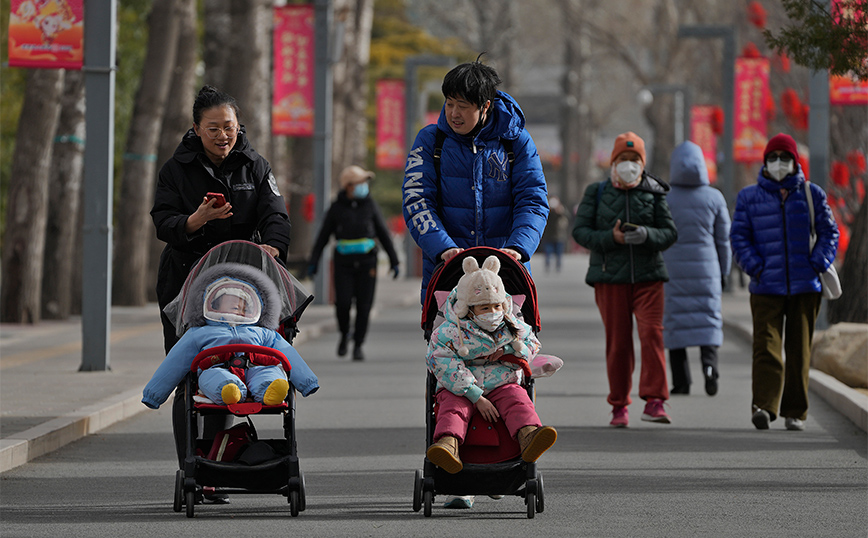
(221, 200)
(628, 227)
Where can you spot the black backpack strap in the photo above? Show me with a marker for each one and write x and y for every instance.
(507, 145)
(439, 138)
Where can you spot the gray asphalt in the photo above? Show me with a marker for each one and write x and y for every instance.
(709, 473)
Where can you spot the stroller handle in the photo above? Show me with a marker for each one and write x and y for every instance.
(205, 354)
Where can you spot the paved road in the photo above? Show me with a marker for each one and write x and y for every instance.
(362, 436)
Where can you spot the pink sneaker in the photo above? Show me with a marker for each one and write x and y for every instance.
(654, 412)
(620, 417)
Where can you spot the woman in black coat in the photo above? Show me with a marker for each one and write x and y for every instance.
(355, 220)
(214, 156)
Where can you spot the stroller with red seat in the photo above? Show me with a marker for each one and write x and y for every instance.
(260, 465)
(492, 462)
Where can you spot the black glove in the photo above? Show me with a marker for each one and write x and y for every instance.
(395, 272)
(722, 283)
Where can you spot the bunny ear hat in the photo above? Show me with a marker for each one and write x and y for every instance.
(481, 285)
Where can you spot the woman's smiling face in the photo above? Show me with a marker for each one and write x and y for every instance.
(218, 130)
(463, 115)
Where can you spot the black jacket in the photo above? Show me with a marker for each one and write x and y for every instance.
(352, 218)
(244, 178)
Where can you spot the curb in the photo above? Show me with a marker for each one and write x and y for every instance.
(849, 402)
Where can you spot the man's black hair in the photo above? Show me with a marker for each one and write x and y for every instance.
(474, 82)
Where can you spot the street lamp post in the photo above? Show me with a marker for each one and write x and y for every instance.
(681, 110)
(727, 33)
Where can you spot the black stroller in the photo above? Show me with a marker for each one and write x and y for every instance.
(492, 462)
(269, 465)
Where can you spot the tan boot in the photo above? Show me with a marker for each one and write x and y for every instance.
(444, 454)
(534, 440)
(276, 392)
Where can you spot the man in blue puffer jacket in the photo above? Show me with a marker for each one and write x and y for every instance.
(480, 197)
(771, 242)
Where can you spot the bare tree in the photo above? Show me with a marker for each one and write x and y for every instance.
(353, 18)
(219, 37)
(26, 212)
(178, 116)
(134, 229)
(64, 201)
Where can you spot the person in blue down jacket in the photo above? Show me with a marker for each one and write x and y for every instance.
(771, 242)
(479, 197)
(698, 264)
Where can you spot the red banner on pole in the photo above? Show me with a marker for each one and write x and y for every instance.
(292, 107)
(702, 134)
(751, 91)
(46, 33)
(391, 154)
(847, 91)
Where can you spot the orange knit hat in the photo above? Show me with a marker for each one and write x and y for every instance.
(628, 141)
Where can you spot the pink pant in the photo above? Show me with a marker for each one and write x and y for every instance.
(511, 400)
(618, 303)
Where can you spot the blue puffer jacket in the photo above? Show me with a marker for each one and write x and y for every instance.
(484, 200)
(699, 258)
(770, 236)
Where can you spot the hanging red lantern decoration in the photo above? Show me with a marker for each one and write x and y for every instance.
(785, 62)
(840, 174)
(843, 240)
(717, 121)
(756, 14)
(307, 207)
(860, 190)
(750, 51)
(789, 102)
(806, 168)
(856, 160)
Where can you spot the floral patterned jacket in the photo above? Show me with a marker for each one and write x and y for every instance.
(475, 375)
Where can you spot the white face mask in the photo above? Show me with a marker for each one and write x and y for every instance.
(490, 321)
(779, 169)
(628, 172)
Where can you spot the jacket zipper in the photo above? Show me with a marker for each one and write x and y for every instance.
(786, 249)
(630, 247)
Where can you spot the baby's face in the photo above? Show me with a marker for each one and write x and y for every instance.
(230, 304)
(486, 308)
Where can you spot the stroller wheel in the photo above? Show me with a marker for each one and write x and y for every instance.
(540, 496)
(191, 502)
(428, 501)
(294, 503)
(179, 491)
(417, 491)
(530, 499)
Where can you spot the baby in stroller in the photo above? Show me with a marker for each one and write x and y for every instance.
(240, 305)
(478, 356)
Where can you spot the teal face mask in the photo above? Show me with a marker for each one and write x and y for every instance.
(361, 190)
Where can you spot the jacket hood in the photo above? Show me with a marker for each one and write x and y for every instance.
(270, 317)
(649, 183)
(191, 146)
(687, 167)
(790, 182)
(507, 120)
(467, 329)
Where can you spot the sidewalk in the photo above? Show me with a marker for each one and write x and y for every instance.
(46, 403)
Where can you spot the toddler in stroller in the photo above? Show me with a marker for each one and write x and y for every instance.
(237, 316)
(480, 362)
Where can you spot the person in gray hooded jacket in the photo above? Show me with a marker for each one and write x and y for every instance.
(698, 264)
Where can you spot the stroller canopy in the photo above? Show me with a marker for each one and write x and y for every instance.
(516, 281)
(294, 298)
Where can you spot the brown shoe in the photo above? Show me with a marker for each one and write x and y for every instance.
(534, 440)
(444, 454)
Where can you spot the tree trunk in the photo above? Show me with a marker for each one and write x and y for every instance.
(301, 183)
(852, 306)
(177, 118)
(27, 198)
(219, 36)
(249, 81)
(64, 199)
(134, 227)
(351, 84)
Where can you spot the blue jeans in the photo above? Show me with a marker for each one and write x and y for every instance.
(212, 381)
(556, 248)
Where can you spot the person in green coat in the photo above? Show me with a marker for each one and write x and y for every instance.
(626, 224)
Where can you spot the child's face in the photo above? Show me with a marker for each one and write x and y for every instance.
(486, 308)
(230, 304)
